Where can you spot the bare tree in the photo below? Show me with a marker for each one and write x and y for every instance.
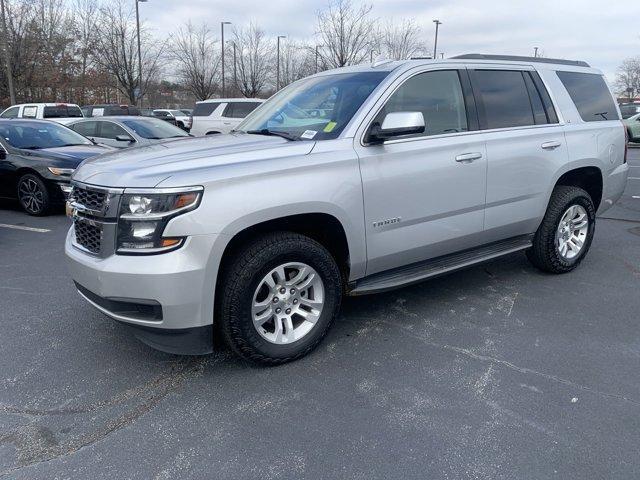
(195, 52)
(401, 41)
(296, 61)
(628, 77)
(117, 50)
(346, 33)
(85, 14)
(255, 58)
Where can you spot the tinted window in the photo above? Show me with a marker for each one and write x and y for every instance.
(11, 112)
(154, 129)
(626, 110)
(503, 99)
(438, 95)
(205, 109)
(539, 114)
(240, 109)
(36, 135)
(62, 111)
(111, 130)
(590, 94)
(88, 129)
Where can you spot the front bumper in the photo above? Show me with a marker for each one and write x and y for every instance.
(171, 293)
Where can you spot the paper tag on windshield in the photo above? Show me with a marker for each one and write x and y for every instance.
(308, 134)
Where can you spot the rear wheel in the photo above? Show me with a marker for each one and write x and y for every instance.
(279, 298)
(33, 195)
(565, 235)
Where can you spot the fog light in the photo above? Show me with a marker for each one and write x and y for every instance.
(143, 230)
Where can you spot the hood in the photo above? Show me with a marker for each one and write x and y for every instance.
(147, 166)
(71, 156)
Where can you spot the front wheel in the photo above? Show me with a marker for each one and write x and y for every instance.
(33, 195)
(566, 232)
(280, 295)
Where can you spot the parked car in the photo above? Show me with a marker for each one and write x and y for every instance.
(58, 112)
(352, 181)
(123, 132)
(37, 159)
(147, 112)
(629, 109)
(633, 128)
(176, 117)
(221, 115)
(109, 110)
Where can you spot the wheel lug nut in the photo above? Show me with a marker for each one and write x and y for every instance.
(288, 311)
(278, 310)
(295, 301)
(293, 290)
(275, 299)
(283, 290)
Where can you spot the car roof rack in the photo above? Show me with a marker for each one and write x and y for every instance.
(515, 58)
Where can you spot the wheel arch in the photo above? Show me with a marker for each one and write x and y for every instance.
(589, 178)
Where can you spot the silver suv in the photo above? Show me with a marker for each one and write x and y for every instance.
(349, 182)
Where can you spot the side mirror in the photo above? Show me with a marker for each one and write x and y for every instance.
(124, 138)
(397, 124)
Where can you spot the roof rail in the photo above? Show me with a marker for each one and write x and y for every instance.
(515, 58)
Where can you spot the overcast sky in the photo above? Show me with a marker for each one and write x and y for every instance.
(602, 32)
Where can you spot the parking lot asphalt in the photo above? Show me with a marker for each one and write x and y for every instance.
(498, 371)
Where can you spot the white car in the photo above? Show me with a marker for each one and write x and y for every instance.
(221, 115)
(59, 112)
(176, 117)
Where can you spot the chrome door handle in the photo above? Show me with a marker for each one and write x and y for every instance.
(550, 145)
(468, 157)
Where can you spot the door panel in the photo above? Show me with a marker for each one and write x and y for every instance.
(419, 201)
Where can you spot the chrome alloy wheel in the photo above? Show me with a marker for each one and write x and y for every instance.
(287, 303)
(572, 232)
(31, 196)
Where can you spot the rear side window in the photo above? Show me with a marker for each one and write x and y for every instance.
(239, 109)
(438, 95)
(88, 129)
(111, 130)
(62, 111)
(205, 109)
(503, 99)
(11, 112)
(591, 96)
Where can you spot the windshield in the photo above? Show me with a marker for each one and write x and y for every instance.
(153, 129)
(36, 135)
(629, 110)
(316, 108)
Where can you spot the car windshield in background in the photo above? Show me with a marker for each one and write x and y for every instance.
(317, 108)
(62, 111)
(153, 129)
(629, 110)
(176, 113)
(38, 135)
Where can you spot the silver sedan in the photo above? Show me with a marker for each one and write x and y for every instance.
(126, 131)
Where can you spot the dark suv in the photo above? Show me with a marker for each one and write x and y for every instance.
(109, 110)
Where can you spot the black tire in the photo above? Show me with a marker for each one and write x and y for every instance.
(242, 276)
(33, 195)
(545, 253)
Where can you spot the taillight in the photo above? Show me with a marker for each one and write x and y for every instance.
(626, 144)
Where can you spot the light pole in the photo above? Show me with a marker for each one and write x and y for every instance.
(139, 52)
(371, 55)
(222, 24)
(235, 70)
(278, 63)
(435, 43)
(7, 56)
(317, 55)
(535, 52)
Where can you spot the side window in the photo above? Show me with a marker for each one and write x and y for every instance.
(591, 96)
(30, 111)
(438, 95)
(88, 129)
(228, 111)
(11, 112)
(240, 109)
(205, 109)
(503, 99)
(111, 130)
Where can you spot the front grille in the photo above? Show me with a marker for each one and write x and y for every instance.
(90, 199)
(88, 236)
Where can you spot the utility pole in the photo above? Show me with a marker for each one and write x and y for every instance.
(139, 54)
(535, 52)
(435, 43)
(317, 47)
(278, 63)
(222, 24)
(7, 56)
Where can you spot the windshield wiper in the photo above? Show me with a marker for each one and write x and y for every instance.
(273, 133)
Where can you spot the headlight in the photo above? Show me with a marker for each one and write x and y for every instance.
(144, 214)
(61, 171)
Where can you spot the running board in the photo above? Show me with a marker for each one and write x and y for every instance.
(417, 272)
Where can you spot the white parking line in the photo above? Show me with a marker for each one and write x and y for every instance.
(633, 178)
(27, 229)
